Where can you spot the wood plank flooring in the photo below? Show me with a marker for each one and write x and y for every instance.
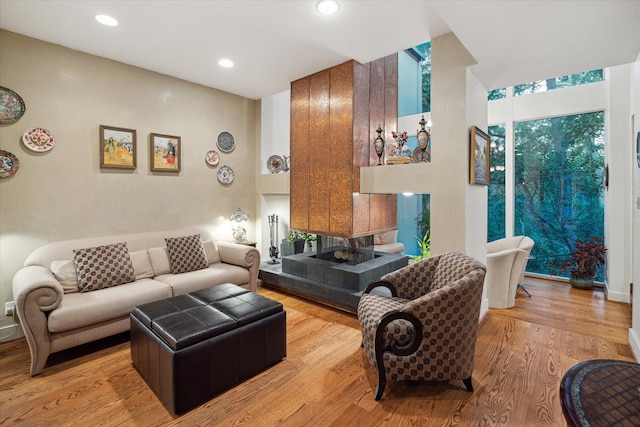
(521, 355)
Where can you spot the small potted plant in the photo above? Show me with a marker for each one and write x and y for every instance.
(298, 240)
(587, 256)
(424, 245)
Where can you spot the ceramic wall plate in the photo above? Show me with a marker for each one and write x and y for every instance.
(11, 106)
(226, 143)
(38, 139)
(225, 175)
(9, 164)
(212, 158)
(275, 164)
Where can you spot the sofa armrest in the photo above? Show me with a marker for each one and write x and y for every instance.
(36, 292)
(243, 256)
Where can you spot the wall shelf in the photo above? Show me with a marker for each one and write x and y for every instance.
(274, 183)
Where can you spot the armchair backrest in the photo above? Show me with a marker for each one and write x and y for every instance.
(453, 266)
(415, 279)
(504, 244)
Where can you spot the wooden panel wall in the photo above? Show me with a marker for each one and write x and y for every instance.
(334, 117)
(300, 172)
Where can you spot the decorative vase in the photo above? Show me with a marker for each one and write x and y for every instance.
(378, 144)
(580, 282)
(423, 135)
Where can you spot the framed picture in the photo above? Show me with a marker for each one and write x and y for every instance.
(164, 153)
(117, 147)
(479, 157)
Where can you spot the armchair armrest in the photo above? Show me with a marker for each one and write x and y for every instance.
(400, 350)
(242, 256)
(504, 270)
(36, 292)
(381, 283)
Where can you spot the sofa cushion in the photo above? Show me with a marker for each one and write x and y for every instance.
(215, 274)
(141, 264)
(186, 254)
(84, 309)
(66, 274)
(211, 250)
(103, 266)
(160, 261)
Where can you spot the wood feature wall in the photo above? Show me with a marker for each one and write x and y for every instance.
(334, 117)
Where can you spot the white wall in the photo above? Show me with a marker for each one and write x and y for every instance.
(63, 194)
(276, 127)
(634, 332)
(618, 197)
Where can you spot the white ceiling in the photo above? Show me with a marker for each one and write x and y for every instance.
(275, 42)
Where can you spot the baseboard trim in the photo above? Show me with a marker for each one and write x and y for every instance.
(11, 333)
(634, 343)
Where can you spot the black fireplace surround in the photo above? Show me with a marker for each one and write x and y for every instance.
(335, 274)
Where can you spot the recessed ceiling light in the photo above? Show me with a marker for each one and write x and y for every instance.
(327, 7)
(106, 20)
(226, 63)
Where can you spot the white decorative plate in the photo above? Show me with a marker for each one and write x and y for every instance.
(38, 139)
(225, 175)
(212, 158)
(275, 164)
(9, 164)
(226, 143)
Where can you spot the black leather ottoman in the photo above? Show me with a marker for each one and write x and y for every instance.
(190, 347)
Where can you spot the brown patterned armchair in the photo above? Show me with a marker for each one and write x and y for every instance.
(426, 330)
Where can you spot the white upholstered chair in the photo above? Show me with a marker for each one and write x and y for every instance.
(506, 264)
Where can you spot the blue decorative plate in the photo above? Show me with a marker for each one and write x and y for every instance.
(226, 142)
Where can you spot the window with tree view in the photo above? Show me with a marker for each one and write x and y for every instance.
(558, 186)
(497, 195)
(558, 82)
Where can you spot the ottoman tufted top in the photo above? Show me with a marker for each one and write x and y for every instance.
(185, 320)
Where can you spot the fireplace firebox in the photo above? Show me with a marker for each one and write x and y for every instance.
(335, 274)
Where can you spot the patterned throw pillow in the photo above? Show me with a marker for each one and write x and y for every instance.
(186, 254)
(103, 266)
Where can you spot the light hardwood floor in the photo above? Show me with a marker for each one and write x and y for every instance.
(521, 356)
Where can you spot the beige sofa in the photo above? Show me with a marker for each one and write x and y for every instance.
(388, 242)
(56, 315)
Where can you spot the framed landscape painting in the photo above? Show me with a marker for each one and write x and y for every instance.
(479, 157)
(117, 147)
(164, 153)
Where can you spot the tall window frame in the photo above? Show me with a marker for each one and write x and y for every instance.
(511, 109)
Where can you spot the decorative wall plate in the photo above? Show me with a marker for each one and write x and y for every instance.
(11, 106)
(9, 164)
(275, 163)
(38, 139)
(226, 143)
(225, 175)
(212, 158)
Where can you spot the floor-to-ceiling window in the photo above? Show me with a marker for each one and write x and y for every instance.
(547, 172)
(559, 165)
(497, 196)
(414, 103)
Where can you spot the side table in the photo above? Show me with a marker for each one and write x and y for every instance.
(247, 243)
(601, 393)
